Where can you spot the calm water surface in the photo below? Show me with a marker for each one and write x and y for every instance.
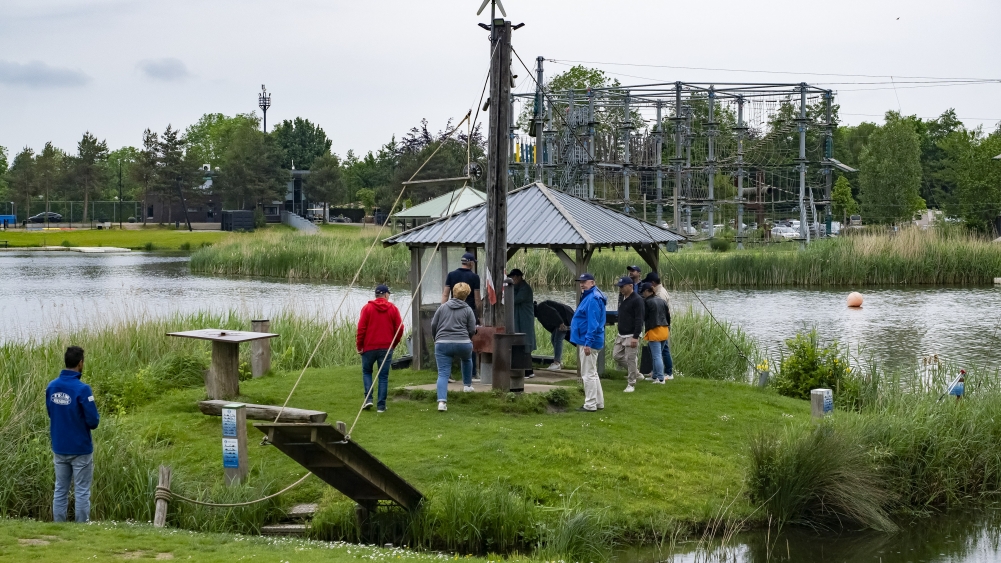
(45, 292)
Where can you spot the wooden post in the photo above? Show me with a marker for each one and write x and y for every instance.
(160, 516)
(234, 442)
(416, 332)
(260, 350)
(498, 155)
(224, 375)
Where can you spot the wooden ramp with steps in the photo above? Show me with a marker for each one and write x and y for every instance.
(343, 464)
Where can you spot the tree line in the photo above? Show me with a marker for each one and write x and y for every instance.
(247, 167)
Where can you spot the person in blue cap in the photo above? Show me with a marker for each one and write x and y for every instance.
(380, 330)
(630, 328)
(72, 415)
(587, 331)
(464, 274)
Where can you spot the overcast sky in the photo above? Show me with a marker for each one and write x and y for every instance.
(365, 70)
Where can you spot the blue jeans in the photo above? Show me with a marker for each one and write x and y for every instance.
(557, 340)
(444, 352)
(660, 353)
(79, 468)
(368, 360)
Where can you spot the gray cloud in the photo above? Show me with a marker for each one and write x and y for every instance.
(37, 74)
(168, 70)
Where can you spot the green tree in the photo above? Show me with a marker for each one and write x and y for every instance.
(174, 168)
(367, 198)
(890, 173)
(144, 171)
(302, 142)
(251, 170)
(4, 188)
(325, 182)
(978, 178)
(842, 201)
(48, 171)
(22, 178)
(87, 172)
(208, 139)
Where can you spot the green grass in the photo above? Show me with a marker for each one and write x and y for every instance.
(652, 459)
(28, 540)
(144, 239)
(911, 257)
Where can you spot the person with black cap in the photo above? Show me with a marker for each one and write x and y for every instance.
(380, 329)
(524, 311)
(653, 278)
(464, 274)
(634, 274)
(630, 329)
(587, 331)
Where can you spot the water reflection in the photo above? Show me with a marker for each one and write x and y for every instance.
(954, 539)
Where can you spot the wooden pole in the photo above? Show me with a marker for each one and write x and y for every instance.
(234, 443)
(498, 155)
(224, 376)
(260, 350)
(160, 516)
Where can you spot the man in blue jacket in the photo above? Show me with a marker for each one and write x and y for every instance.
(72, 415)
(587, 331)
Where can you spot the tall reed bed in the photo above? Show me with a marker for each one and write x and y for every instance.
(912, 256)
(905, 448)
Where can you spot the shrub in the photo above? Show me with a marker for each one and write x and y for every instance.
(811, 366)
(559, 397)
(185, 246)
(719, 244)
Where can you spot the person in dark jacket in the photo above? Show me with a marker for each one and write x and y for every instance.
(658, 329)
(587, 331)
(453, 326)
(555, 317)
(634, 274)
(72, 415)
(524, 311)
(630, 329)
(380, 330)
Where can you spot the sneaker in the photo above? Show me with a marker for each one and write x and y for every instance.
(368, 405)
(555, 365)
(629, 389)
(383, 409)
(659, 381)
(582, 409)
(529, 375)
(643, 376)
(442, 406)
(467, 389)
(476, 380)
(670, 377)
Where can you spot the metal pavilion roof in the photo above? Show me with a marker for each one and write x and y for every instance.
(540, 217)
(446, 204)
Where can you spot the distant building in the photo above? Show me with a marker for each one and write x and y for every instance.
(441, 206)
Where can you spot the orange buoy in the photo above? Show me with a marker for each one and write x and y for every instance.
(854, 299)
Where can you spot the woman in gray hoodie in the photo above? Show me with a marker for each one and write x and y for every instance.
(453, 327)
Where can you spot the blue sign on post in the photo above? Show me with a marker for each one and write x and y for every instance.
(234, 442)
(230, 452)
(229, 422)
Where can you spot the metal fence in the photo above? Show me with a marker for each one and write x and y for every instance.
(72, 212)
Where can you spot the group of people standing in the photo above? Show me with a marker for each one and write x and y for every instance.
(643, 314)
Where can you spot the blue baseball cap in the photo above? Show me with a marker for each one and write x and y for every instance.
(624, 280)
(585, 277)
(633, 268)
(381, 289)
(468, 257)
(646, 286)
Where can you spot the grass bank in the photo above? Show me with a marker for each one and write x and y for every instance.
(28, 540)
(144, 239)
(565, 482)
(911, 257)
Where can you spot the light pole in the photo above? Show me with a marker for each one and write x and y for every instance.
(119, 194)
(264, 102)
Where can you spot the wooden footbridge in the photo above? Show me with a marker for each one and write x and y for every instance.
(341, 463)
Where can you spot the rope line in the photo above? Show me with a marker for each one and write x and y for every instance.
(163, 493)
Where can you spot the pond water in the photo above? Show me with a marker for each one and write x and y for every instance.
(952, 539)
(44, 292)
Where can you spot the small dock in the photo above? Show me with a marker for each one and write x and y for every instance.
(342, 464)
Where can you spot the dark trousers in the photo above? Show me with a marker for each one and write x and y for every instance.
(368, 360)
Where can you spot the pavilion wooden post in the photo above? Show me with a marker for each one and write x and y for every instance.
(160, 516)
(260, 350)
(498, 153)
(224, 375)
(416, 330)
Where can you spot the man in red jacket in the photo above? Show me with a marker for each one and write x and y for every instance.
(380, 329)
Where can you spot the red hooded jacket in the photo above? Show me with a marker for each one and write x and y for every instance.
(380, 326)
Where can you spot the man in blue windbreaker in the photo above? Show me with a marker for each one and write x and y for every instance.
(587, 331)
(72, 415)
